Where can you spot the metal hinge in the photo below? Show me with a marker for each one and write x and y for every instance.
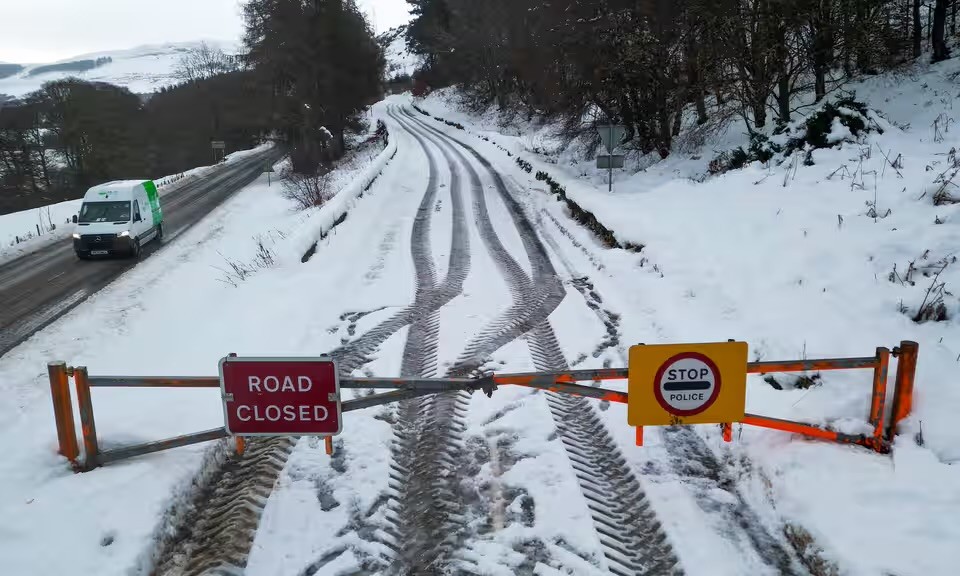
(227, 397)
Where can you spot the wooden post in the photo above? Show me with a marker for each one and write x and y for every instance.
(91, 448)
(63, 410)
(903, 388)
(879, 397)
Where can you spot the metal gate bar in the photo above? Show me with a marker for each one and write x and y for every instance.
(884, 428)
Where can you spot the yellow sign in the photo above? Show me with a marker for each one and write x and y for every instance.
(687, 384)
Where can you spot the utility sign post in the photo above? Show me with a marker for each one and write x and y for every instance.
(219, 148)
(611, 135)
(269, 170)
(687, 384)
(280, 396)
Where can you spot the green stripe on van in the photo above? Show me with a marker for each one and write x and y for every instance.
(154, 200)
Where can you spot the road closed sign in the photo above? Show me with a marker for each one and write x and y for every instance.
(280, 396)
(687, 384)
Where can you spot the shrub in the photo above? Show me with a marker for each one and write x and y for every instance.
(818, 131)
(833, 123)
(761, 148)
(307, 190)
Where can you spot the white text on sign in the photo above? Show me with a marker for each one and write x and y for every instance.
(281, 413)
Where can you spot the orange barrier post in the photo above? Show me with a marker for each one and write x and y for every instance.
(328, 445)
(903, 388)
(63, 410)
(727, 432)
(879, 398)
(241, 444)
(91, 448)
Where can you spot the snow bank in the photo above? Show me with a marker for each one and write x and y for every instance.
(319, 221)
(18, 230)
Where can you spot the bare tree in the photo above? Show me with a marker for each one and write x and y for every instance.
(204, 61)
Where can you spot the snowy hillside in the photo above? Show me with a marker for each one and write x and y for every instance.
(143, 69)
(400, 61)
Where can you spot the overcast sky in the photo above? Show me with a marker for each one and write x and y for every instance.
(36, 31)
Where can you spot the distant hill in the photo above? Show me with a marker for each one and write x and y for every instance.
(74, 67)
(143, 69)
(400, 61)
(9, 69)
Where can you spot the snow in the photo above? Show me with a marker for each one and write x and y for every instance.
(18, 230)
(400, 61)
(791, 259)
(143, 69)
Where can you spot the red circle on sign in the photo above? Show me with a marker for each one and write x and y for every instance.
(663, 368)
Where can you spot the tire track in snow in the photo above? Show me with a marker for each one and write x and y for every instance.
(632, 538)
(689, 456)
(212, 530)
(424, 493)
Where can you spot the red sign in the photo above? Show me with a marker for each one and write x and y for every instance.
(280, 396)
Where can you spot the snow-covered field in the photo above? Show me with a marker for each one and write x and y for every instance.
(143, 70)
(787, 258)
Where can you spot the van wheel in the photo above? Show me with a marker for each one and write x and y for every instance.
(160, 232)
(135, 251)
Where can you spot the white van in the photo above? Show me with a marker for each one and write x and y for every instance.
(118, 218)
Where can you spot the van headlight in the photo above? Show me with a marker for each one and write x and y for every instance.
(76, 236)
(124, 234)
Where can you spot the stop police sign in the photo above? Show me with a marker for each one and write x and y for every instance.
(703, 383)
(280, 396)
(687, 384)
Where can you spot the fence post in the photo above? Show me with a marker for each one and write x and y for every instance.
(903, 388)
(63, 410)
(879, 397)
(90, 446)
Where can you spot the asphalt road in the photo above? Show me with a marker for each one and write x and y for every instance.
(36, 289)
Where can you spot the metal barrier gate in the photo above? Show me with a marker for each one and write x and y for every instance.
(406, 388)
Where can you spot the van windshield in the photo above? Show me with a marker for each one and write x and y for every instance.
(105, 212)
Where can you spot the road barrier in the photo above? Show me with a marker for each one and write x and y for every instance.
(566, 382)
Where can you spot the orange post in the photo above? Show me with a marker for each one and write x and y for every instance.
(328, 444)
(63, 410)
(903, 388)
(241, 444)
(639, 435)
(879, 397)
(727, 432)
(91, 448)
